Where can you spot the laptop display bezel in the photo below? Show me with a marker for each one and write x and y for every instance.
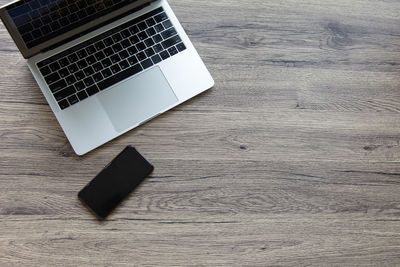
(29, 52)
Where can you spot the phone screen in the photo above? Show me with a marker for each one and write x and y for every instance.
(123, 174)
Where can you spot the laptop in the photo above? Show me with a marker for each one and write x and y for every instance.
(106, 66)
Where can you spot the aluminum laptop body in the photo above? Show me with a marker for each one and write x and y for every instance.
(98, 84)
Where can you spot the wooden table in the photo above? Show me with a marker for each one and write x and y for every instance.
(293, 158)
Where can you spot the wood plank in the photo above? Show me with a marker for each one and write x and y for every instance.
(291, 159)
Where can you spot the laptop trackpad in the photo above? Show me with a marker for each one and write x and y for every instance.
(138, 99)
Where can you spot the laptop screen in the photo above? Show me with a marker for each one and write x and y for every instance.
(37, 22)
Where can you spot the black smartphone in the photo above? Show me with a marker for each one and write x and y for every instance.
(123, 174)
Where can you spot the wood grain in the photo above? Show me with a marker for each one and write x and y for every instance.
(292, 159)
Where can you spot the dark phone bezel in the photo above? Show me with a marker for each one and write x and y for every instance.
(83, 199)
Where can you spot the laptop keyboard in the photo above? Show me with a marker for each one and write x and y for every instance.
(104, 60)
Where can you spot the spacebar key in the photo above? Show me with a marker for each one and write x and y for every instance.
(119, 77)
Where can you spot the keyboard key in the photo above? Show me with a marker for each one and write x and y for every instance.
(150, 22)
(123, 54)
(157, 38)
(167, 24)
(73, 68)
(115, 58)
(99, 45)
(142, 35)
(99, 6)
(106, 62)
(82, 53)
(52, 78)
(90, 10)
(88, 81)
(124, 64)
(72, 15)
(25, 28)
(168, 33)
(132, 50)
(150, 31)
(141, 46)
(64, 93)
(70, 79)
(156, 59)
(142, 26)
(116, 37)
(115, 68)
(99, 55)
(82, 64)
(57, 86)
(108, 41)
(160, 17)
(63, 62)
(81, 5)
(132, 60)
(27, 37)
(164, 55)
(73, 57)
(125, 43)
(158, 48)
(92, 90)
(171, 41)
(108, 3)
(108, 51)
(55, 25)
(88, 71)
(172, 51)
(134, 39)
(91, 50)
(45, 28)
(79, 75)
(146, 63)
(97, 67)
(64, 22)
(134, 29)
(37, 23)
(120, 76)
(45, 70)
(46, 20)
(149, 42)
(55, 15)
(149, 52)
(97, 77)
(125, 34)
(141, 56)
(90, 60)
(63, 72)
(159, 27)
(63, 104)
(82, 95)
(73, 99)
(79, 86)
(106, 73)
(117, 47)
(54, 66)
(181, 47)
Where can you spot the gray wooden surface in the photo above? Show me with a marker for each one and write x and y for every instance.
(292, 159)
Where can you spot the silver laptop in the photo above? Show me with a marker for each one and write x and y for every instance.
(106, 66)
